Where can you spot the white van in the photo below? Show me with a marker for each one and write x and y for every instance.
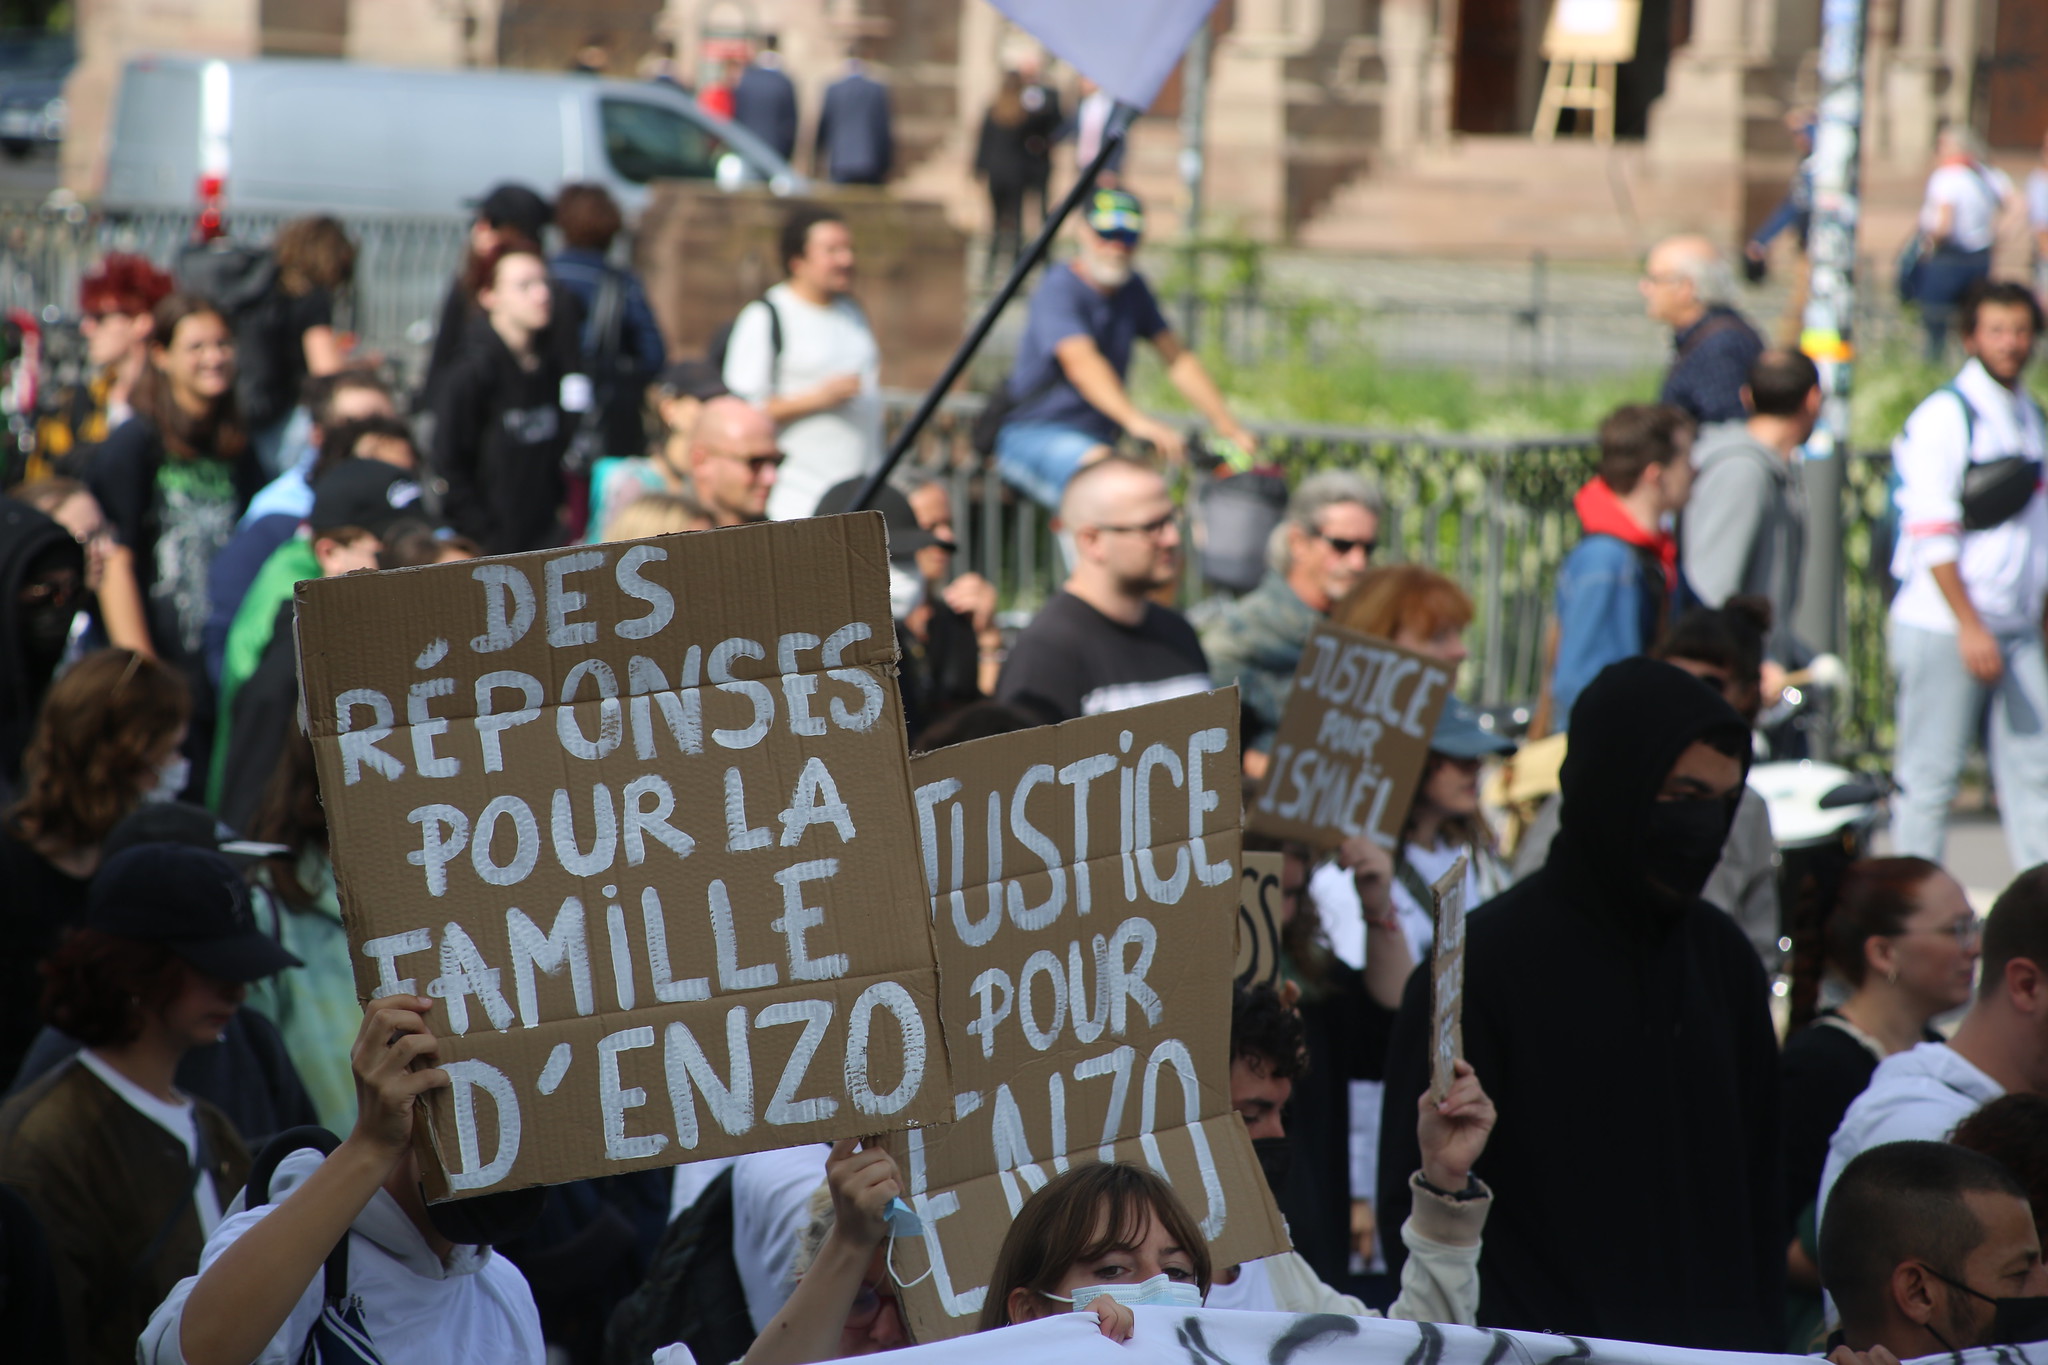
(289, 136)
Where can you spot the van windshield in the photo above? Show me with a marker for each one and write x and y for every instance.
(649, 142)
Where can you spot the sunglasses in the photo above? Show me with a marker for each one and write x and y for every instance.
(1150, 528)
(1128, 236)
(1345, 547)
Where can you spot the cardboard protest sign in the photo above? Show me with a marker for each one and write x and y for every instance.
(1084, 884)
(1447, 979)
(638, 816)
(1258, 920)
(1352, 741)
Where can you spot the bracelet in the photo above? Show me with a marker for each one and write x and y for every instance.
(1473, 1189)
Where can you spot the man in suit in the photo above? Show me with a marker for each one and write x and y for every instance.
(764, 102)
(1043, 119)
(855, 143)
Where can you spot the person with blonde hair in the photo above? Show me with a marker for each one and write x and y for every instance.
(657, 514)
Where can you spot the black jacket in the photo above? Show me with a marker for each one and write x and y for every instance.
(29, 542)
(499, 434)
(764, 103)
(1630, 1051)
(1004, 155)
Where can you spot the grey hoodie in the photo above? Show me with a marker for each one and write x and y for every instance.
(1744, 530)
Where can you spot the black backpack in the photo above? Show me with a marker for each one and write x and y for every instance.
(692, 1292)
(241, 281)
(714, 350)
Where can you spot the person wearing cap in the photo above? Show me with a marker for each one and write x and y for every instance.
(429, 1287)
(805, 353)
(249, 1075)
(678, 394)
(128, 1174)
(509, 212)
(1069, 403)
(940, 667)
(354, 504)
(967, 595)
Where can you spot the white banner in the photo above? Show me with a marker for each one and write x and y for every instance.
(1128, 48)
(1179, 1336)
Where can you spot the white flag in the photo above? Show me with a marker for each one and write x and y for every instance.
(1128, 47)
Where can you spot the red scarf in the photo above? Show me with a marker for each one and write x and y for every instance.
(1601, 513)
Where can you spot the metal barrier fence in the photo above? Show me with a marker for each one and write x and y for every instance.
(403, 265)
(1494, 515)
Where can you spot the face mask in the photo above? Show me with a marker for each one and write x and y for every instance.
(1276, 1159)
(903, 1222)
(489, 1219)
(170, 779)
(1682, 842)
(906, 589)
(2014, 1321)
(1158, 1292)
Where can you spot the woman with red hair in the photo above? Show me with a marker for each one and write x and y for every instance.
(115, 300)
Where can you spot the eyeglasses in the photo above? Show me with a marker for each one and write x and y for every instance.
(755, 463)
(1964, 931)
(1152, 528)
(1345, 547)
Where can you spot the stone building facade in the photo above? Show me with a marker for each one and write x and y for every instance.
(1358, 123)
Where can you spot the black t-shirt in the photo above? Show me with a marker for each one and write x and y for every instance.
(1074, 661)
(499, 434)
(1823, 1069)
(175, 515)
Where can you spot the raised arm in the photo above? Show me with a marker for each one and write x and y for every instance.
(249, 1291)
(810, 1324)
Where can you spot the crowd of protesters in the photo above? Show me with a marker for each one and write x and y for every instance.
(178, 988)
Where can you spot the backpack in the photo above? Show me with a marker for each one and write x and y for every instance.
(241, 281)
(339, 1335)
(1993, 491)
(692, 1292)
(715, 349)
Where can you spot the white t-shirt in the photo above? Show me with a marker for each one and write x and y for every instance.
(180, 1119)
(818, 344)
(1976, 193)
(2037, 199)
(2004, 567)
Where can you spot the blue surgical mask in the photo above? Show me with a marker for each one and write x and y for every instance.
(1157, 1292)
(903, 1222)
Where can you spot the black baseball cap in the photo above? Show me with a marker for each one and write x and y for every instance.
(514, 205)
(906, 537)
(366, 493)
(698, 379)
(181, 822)
(191, 900)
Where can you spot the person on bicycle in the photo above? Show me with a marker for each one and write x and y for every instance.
(1066, 396)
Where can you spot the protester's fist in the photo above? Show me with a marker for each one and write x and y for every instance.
(1171, 445)
(974, 597)
(1981, 654)
(862, 1184)
(1372, 871)
(393, 1061)
(836, 390)
(1452, 1132)
(1364, 1223)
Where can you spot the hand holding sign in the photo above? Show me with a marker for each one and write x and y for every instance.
(1452, 1131)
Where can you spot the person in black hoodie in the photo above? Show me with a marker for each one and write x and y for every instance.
(1623, 1027)
(499, 425)
(42, 585)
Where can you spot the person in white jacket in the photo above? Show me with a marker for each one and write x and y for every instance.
(426, 1298)
(1972, 565)
(2001, 1045)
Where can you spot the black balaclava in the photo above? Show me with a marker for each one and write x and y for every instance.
(1632, 859)
(30, 544)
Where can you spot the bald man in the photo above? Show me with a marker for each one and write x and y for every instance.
(734, 458)
(1688, 287)
(1101, 643)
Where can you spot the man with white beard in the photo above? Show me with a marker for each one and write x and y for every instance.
(1066, 402)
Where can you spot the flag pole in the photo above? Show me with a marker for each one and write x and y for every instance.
(1113, 134)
